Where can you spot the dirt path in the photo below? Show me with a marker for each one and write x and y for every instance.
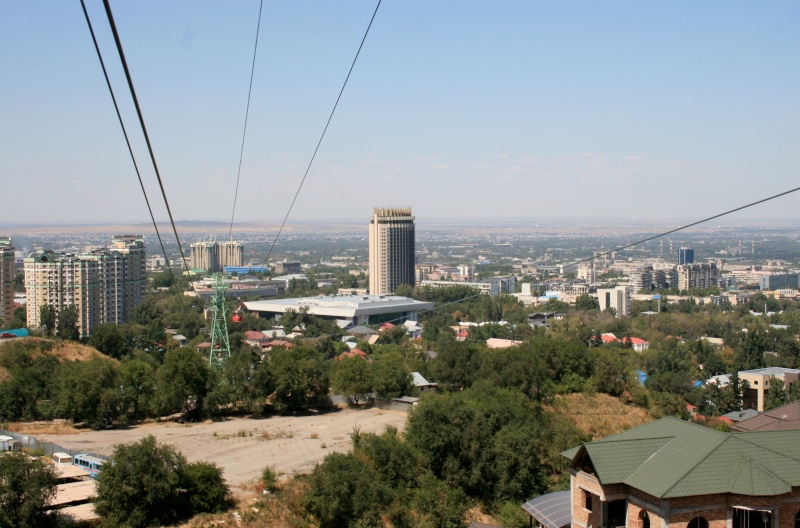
(243, 447)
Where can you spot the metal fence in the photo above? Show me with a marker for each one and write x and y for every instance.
(48, 448)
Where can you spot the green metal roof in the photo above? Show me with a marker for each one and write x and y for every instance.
(673, 458)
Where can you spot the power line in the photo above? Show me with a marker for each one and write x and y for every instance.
(322, 136)
(790, 191)
(246, 114)
(125, 133)
(144, 129)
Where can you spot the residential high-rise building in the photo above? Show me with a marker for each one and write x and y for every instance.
(685, 256)
(391, 249)
(215, 256)
(204, 256)
(230, 253)
(104, 285)
(6, 279)
(641, 278)
(699, 276)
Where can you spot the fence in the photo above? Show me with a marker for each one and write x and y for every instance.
(48, 448)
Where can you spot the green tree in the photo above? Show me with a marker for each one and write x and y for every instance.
(586, 302)
(494, 443)
(30, 381)
(345, 491)
(300, 379)
(206, 488)
(26, 486)
(456, 364)
(86, 391)
(390, 378)
(752, 350)
(68, 324)
(19, 320)
(241, 385)
(143, 487)
(404, 290)
(398, 464)
(611, 369)
(47, 319)
(108, 339)
(776, 394)
(353, 378)
(137, 387)
(182, 380)
(437, 504)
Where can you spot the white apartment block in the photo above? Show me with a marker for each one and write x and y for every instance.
(104, 285)
(618, 298)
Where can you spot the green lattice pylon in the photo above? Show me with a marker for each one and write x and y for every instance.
(220, 344)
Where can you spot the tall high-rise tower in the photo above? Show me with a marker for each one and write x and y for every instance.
(391, 249)
(685, 256)
(6, 280)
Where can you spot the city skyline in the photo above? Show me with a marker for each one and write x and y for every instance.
(551, 107)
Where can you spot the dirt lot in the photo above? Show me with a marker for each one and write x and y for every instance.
(243, 447)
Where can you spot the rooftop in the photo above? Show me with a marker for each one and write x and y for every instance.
(342, 305)
(673, 458)
(783, 418)
(771, 371)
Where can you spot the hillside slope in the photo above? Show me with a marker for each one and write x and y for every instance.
(38, 346)
(599, 415)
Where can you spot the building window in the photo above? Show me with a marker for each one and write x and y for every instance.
(743, 518)
(644, 519)
(797, 520)
(587, 500)
(698, 522)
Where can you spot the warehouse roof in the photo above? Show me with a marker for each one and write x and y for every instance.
(342, 305)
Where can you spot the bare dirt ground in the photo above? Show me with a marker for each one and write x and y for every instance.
(242, 447)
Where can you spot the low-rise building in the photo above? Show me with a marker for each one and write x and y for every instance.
(759, 380)
(359, 310)
(676, 474)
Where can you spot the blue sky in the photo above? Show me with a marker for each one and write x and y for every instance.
(460, 109)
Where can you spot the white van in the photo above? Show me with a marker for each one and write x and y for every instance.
(62, 459)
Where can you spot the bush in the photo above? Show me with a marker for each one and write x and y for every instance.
(151, 484)
(269, 477)
(206, 487)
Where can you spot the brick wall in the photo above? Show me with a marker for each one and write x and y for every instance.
(678, 512)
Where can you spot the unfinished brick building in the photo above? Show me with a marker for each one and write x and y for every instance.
(676, 474)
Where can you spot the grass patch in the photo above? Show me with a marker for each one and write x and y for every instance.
(599, 415)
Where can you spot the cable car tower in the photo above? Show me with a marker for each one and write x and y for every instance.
(220, 344)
